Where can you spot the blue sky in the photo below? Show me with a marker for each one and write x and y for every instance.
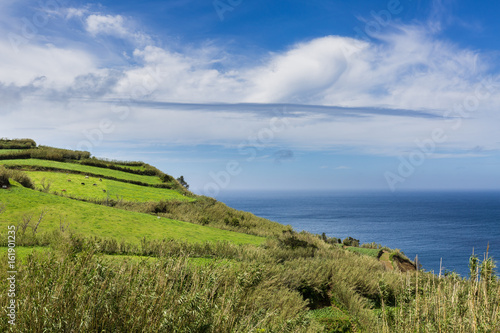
(237, 94)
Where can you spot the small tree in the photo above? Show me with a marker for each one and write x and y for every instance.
(183, 182)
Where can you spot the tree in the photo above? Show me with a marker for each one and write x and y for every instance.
(183, 182)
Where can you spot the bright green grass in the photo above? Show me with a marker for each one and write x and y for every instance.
(367, 252)
(328, 312)
(106, 222)
(334, 319)
(7, 151)
(86, 169)
(114, 189)
(195, 261)
(22, 252)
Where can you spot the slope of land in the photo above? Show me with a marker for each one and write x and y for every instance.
(83, 169)
(121, 246)
(97, 220)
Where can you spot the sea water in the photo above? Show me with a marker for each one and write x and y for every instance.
(442, 228)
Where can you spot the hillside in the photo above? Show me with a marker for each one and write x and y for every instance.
(95, 238)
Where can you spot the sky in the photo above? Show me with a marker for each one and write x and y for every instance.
(389, 95)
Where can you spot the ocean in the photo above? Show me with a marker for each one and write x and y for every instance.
(436, 226)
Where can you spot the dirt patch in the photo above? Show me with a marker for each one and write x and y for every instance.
(404, 264)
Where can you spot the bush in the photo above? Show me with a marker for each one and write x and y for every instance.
(22, 178)
(17, 175)
(349, 241)
(15, 155)
(58, 154)
(4, 176)
(233, 222)
(17, 143)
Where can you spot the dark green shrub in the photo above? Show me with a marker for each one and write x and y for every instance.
(17, 175)
(22, 178)
(204, 221)
(15, 155)
(17, 143)
(4, 176)
(292, 241)
(349, 241)
(233, 222)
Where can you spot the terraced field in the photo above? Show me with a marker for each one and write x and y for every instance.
(89, 170)
(96, 220)
(77, 185)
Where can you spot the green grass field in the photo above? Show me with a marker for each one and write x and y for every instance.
(90, 170)
(90, 219)
(23, 251)
(8, 151)
(114, 189)
(361, 250)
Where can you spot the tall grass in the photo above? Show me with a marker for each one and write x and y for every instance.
(73, 290)
(270, 287)
(80, 293)
(429, 303)
(245, 288)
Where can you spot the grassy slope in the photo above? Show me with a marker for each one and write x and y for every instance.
(7, 151)
(85, 169)
(114, 189)
(90, 219)
(365, 251)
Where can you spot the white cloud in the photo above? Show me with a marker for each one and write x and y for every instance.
(75, 12)
(116, 26)
(106, 24)
(58, 65)
(171, 76)
(301, 73)
(410, 69)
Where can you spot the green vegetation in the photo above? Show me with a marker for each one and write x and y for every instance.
(9, 151)
(138, 252)
(17, 143)
(98, 220)
(71, 185)
(369, 252)
(15, 175)
(22, 252)
(223, 287)
(334, 319)
(84, 169)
